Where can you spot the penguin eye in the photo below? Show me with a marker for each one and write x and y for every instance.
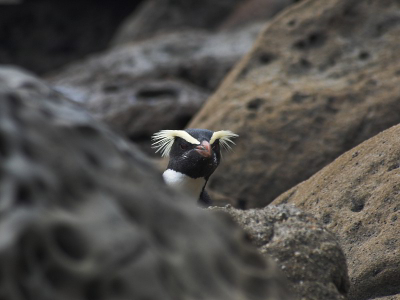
(215, 146)
(183, 146)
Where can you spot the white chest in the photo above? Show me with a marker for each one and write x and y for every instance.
(184, 183)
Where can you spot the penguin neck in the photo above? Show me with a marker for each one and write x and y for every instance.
(184, 183)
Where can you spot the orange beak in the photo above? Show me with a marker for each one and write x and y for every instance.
(204, 149)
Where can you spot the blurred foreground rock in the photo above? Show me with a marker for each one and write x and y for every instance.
(322, 78)
(84, 216)
(161, 83)
(358, 198)
(306, 252)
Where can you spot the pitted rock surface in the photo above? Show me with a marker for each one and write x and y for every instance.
(83, 216)
(357, 197)
(307, 253)
(158, 84)
(322, 78)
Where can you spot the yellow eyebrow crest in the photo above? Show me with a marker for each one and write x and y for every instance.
(164, 139)
(224, 137)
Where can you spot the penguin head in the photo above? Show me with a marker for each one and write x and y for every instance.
(193, 152)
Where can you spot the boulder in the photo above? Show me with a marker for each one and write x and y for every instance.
(248, 11)
(45, 35)
(307, 253)
(157, 17)
(322, 78)
(158, 84)
(357, 198)
(85, 216)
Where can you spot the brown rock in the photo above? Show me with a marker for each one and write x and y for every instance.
(322, 78)
(306, 252)
(357, 197)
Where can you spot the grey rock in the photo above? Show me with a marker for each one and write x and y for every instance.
(85, 216)
(394, 297)
(307, 253)
(161, 16)
(247, 12)
(141, 88)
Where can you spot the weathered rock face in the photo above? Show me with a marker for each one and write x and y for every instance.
(306, 252)
(85, 217)
(46, 34)
(161, 16)
(357, 197)
(250, 10)
(389, 298)
(322, 78)
(159, 84)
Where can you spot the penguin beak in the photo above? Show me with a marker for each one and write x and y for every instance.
(204, 149)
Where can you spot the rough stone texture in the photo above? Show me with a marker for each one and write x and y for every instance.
(156, 17)
(250, 10)
(357, 197)
(322, 78)
(42, 35)
(83, 216)
(306, 252)
(159, 84)
(161, 16)
(389, 298)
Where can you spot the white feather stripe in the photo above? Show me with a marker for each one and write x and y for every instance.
(224, 137)
(164, 139)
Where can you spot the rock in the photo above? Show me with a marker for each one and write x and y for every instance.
(306, 252)
(83, 216)
(249, 11)
(389, 298)
(156, 17)
(322, 78)
(44, 35)
(166, 16)
(357, 197)
(159, 84)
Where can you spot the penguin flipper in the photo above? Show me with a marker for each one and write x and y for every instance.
(205, 199)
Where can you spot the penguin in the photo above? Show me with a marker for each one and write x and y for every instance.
(194, 155)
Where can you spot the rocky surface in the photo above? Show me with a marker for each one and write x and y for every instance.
(83, 216)
(322, 78)
(45, 35)
(248, 11)
(389, 298)
(306, 252)
(158, 84)
(156, 17)
(357, 197)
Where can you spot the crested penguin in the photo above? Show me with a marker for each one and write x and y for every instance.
(194, 154)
